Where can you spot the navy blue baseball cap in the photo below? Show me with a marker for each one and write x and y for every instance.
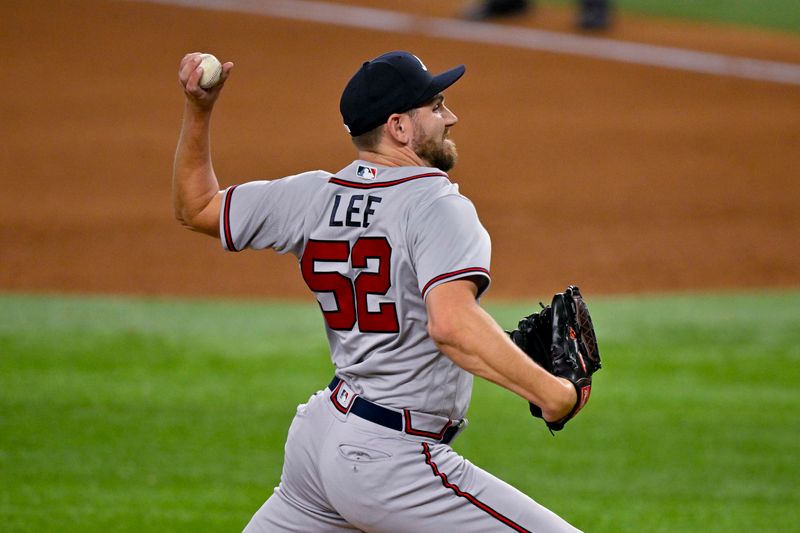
(394, 82)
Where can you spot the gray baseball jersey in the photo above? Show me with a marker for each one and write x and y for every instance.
(373, 241)
(372, 451)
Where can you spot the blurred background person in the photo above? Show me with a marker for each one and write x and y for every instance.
(592, 14)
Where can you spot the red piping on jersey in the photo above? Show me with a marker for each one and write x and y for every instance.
(466, 495)
(421, 433)
(226, 220)
(356, 185)
(451, 275)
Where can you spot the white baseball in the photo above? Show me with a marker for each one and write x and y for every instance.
(212, 69)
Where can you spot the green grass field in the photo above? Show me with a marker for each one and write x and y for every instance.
(776, 14)
(147, 415)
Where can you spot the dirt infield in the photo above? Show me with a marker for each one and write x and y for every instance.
(657, 179)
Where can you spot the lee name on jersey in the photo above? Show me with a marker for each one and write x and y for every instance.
(357, 212)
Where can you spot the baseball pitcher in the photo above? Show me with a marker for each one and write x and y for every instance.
(397, 259)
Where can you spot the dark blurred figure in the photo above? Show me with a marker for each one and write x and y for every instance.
(592, 14)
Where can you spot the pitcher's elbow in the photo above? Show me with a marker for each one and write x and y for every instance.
(442, 332)
(182, 215)
(178, 214)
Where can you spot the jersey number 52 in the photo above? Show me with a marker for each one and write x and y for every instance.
(351, 294)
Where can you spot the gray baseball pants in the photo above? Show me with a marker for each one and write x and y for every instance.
(344, 473)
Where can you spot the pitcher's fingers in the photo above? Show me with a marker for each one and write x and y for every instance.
(188, 65)
(193, 80)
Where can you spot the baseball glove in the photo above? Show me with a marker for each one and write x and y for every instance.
(561, 339)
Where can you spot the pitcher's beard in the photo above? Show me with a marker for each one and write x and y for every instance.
(442, 155)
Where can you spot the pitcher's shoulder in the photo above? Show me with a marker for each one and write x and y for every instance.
(310, 181)
(432, 191)
(319, 176)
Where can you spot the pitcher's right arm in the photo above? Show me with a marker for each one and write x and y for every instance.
(195, 189)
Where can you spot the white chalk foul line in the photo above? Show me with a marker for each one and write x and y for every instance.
(525, 38)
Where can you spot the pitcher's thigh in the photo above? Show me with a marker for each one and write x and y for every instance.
(475, 501)
(280, 514)
(431, 488)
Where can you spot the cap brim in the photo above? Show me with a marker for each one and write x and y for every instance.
(442, 82)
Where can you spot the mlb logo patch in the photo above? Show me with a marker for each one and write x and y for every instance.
(368, 173)
(345, 397)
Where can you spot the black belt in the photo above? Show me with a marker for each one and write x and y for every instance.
(386, 417)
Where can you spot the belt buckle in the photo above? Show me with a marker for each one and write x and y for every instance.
(343, 397)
